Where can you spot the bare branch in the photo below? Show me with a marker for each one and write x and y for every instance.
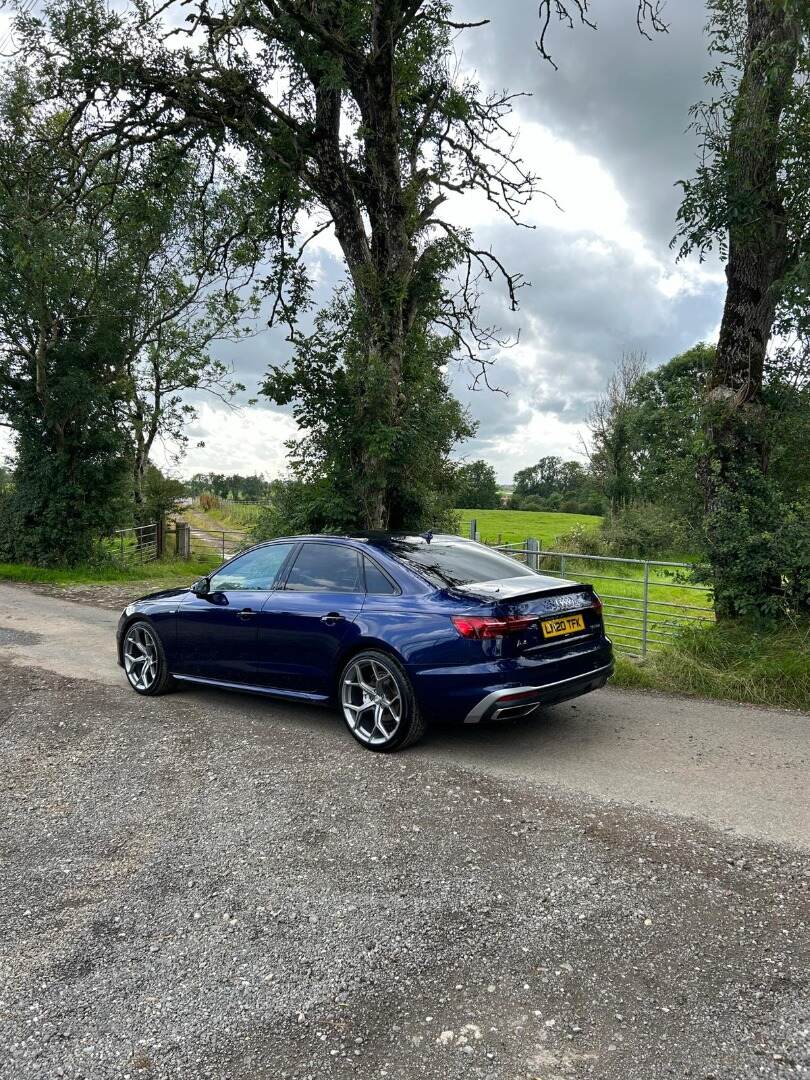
(649, 17)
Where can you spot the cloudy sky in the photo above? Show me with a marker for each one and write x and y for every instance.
(606, 132)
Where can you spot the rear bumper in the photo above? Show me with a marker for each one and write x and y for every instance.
(512, 686)
(511, 703)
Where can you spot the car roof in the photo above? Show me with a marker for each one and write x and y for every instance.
(381, 540)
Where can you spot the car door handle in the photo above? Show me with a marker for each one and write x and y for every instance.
(332, 618)
(245, 614)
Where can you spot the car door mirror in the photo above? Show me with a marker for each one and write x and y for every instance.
(201, 587)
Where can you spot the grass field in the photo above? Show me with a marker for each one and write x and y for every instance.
(515, 526)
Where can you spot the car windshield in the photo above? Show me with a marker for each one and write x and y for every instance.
(448, 563)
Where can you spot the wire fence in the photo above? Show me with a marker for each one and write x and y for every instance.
(647, 602)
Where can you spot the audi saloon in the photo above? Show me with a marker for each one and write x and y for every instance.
(392, 629)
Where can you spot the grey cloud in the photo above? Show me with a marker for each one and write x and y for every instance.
(616, 95)
(624, 100)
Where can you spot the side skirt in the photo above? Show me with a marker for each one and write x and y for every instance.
(246, 688)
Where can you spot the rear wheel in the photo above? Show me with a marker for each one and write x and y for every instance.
(145, 661)
(378, 702)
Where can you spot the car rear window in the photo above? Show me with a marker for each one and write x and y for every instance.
(376, 580)
(448, 563)
(325, 568)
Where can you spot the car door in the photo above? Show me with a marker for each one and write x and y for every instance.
(304, 623)
(217, 634)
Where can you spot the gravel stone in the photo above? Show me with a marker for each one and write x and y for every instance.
(188, 894)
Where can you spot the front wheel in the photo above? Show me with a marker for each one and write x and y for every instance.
(378, 702)
(145, 661)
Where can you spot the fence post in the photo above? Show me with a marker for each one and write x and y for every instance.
(183, 540)
(644, 613)
(473, 528)
(160, 536)
(532, 558)
(122, 546)
(562, 566)
(223, 545)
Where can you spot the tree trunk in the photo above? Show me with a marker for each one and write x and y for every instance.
(758, 257)
(380, 409)
(138, 473)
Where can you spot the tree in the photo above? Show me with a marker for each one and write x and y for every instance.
(611, 450)
(60, 347)
(352, 109)
(664, 432)
(541, 479)
(476, 486)
(354, 112)
(749, 198)
(161, 494)
(193, 263)
(113, 281)
(327, 376)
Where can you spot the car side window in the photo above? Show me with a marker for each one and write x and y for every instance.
(255, 570)
(325, 568)
(376, 581)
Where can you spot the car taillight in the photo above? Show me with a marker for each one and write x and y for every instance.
(488, 626)
(596, 604)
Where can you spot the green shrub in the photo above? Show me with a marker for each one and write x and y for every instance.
(759, 549)
(580, 541)
(533, 502)
(643, 532)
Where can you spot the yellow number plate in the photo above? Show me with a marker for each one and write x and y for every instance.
(570, 624)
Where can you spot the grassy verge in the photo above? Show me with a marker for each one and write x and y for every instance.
(167, 572)
(733, 662)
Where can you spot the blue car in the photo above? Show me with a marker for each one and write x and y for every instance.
(393, 629)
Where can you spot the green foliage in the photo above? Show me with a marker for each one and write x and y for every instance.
(759, 548)
(612, 450)
(557, 486)
(476, 485)
(580, 540)
(71, 456)
(109, 267)
(645, 532)
(340, 399)
(664, 426)
(161, 495)
(228, 486)
(292, 510)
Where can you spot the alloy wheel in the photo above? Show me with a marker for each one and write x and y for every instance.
(141, 657)
(372, 701)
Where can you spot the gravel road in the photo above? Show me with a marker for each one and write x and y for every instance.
(204, 886)
(739, 769)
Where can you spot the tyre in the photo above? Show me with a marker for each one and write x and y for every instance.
(145, 661)
(378, 703)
